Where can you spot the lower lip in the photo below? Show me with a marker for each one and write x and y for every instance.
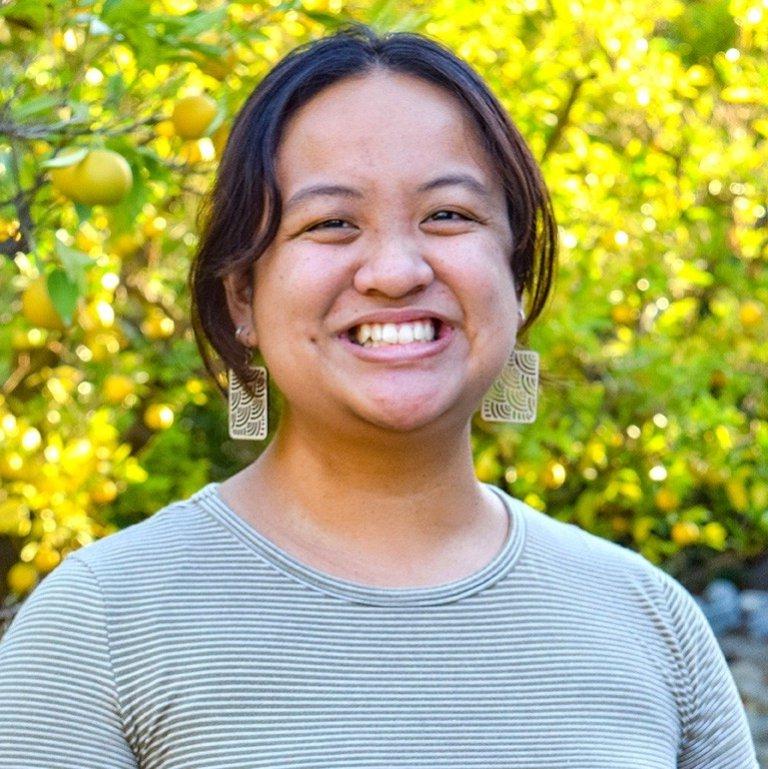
(401, 352)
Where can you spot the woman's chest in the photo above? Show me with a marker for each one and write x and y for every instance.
(312, 701)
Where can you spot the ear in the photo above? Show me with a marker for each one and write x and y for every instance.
(238, 287)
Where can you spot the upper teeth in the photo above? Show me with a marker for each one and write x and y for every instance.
(375, 334)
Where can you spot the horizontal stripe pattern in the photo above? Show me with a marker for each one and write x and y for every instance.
(190, 640)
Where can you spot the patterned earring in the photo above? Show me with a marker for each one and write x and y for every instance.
(248, 410)
(512, 398)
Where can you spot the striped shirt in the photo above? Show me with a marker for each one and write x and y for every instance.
(191, 641)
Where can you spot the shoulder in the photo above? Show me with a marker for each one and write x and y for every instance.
(562, 553)
(136, 560)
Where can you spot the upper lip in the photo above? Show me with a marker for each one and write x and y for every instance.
(395, 316)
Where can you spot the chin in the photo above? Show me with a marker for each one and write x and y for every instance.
(401, 419)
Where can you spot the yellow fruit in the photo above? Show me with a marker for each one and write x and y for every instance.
(190, 152)
(553, 475)
(101, 177)
(623, 314)
(685, 533)
(46, 559)
(104, 492)
(165, 128)
(21, 578)
(157, 325)
(750, 314)
(666, 499)
(192, 115)
(158, 416)
(37, 306)
(219, 139)
(217, 67)
(63, 179)
(12, 465)
(117, 387)
(714, 534)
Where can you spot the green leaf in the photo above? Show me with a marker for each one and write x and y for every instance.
(75, 263)
(197, 22)
(35, 106)
(63, 292)
(115, 88)
(83, 211)
(64, 160)
(119, 13)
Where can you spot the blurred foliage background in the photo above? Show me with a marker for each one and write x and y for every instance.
(650, 122)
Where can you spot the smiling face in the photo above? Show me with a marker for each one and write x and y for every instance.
(392, 213)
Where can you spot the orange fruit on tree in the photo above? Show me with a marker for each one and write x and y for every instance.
(158, 416)
(750, 314)
(46, 558)
(104, 492)
(217, 66)
(193, 114)
(685, 533)
(102, 177)
(666, 499)
(63, 179)
(219, 139)
(117, 387)
(157, 325)
(714, 534)
(37, 306)
(21, 578)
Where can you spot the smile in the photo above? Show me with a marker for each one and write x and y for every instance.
(381, 334)
(398, 341)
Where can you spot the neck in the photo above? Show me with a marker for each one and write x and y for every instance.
(405, 492)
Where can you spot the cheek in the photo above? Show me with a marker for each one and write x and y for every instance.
(294, 289)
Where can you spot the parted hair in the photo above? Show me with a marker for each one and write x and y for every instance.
(241, 214)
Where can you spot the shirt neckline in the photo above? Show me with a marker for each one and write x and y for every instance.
(372, 595)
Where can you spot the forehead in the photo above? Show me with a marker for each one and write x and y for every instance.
(379, 126)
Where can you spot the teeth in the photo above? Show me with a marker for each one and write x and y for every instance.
(378, 334)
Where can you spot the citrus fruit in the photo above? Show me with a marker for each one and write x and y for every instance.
(63, 179)
(685, 533)
(157, 325)
(104, 491)
(714, 534)
(37, 306)
(46, 558)
(117, 387)
(101, 177)
(158, 416)
(666, 499)
(192, 115)
(750, 314)
(21, 578)
(219, 139)
(217, 66)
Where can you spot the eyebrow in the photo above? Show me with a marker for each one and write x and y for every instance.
(339, 190)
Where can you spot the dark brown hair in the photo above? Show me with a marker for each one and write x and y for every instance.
(241, 216)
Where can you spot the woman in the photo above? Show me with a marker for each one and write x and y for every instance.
(355, 597)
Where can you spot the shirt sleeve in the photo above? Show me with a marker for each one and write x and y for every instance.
(715, 729)
(58, 703)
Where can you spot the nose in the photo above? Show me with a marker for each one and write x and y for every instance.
(393, 266)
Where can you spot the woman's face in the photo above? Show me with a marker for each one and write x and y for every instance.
(392, 214)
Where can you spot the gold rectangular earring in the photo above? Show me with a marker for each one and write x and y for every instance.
(248, 408)
(512, 398)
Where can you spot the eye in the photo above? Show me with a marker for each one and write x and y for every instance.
(323, 225)
(445, 211)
